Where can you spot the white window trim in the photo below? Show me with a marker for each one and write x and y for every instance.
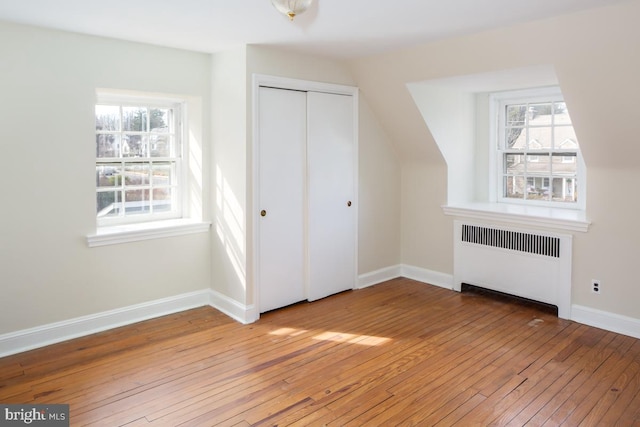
(191, 216)
(531, 216)
(495, 158)
(126, 233)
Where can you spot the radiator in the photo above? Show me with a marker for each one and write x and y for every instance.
(523, 263)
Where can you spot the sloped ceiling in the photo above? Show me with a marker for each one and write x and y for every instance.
(593, 53)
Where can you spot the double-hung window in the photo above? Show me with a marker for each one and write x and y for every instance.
(138, 159)
(537, 152)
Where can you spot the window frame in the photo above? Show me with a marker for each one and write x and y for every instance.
(179, 191)
(497, 107)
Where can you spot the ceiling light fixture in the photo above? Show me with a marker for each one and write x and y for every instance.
(291, 8)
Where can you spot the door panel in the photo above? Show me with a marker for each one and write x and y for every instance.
(281, 182)
(331, 194)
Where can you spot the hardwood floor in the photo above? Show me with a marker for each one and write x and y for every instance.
(399, 353)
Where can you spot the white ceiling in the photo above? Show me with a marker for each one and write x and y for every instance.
(339, 28)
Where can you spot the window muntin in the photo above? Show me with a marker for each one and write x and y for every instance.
(537, 149)
(138, 160)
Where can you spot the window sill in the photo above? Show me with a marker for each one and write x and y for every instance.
(150, 230)
(560, 219)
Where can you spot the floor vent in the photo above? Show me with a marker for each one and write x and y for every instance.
(501, 296)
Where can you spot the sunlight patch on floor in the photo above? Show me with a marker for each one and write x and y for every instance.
(292, 332)
(368, 340)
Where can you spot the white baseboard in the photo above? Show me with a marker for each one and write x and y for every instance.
(402, 270)
(232, 308)
(378, 276)
(28, 339)
(428, 276)
(605, 320)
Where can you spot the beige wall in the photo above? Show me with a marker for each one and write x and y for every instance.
(595, 56)
(229, 174)
(379, 238)
(47, 272)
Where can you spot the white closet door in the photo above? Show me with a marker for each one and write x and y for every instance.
(281, 181)
(331, 194)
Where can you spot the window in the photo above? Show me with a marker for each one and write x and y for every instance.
(138, 159)
(537, 152)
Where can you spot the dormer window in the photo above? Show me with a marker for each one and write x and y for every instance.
(537, 149)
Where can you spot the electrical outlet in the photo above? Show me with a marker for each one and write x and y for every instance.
(596, 286)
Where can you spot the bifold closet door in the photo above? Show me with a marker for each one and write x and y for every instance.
(331, 218)
(281, 175)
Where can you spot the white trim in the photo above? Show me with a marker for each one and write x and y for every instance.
(145, 231)
(532, 216)
(419, 274)
(379, 276)
(605, 320)
(28, 339)
(431, 277)
(263, 80)
(232, 308)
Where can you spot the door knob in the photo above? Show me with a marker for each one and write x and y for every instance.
(263, 213)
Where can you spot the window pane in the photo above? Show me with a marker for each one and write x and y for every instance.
(108, 203)
(538, 164)
(564, 164)
(516, 115)
(565, 190)
(160, 120)
(136, 174)
(514, 164)
(565, 138)
(134, 119)
(540, 114)
(108, 175)
(107, 146)
(107, 118)
(540, 138)
(162, 200)
(163, 174)
(515, 138)
(136, 201)
(537, 188)
(514, 187)
(135, 146)
(561, 114)
(161, 145)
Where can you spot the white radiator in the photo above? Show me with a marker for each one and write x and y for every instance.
(525, 263)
